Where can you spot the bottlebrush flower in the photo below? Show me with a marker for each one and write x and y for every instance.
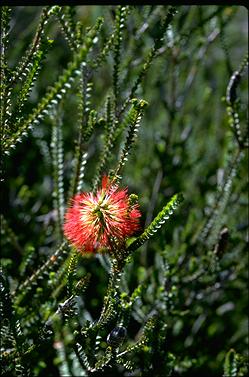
(103, 220)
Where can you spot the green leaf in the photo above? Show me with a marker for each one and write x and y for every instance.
(230, 365)
(156, 224)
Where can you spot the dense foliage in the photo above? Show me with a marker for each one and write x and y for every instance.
(156, 98)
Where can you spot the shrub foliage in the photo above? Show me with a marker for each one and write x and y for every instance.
(154, 97)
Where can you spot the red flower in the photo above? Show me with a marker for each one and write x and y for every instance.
(103, 220)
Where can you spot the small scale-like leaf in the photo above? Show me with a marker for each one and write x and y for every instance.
(156, 224)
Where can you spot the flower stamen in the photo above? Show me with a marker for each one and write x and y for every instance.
(101, 221)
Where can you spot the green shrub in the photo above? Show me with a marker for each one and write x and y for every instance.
(154, 97)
